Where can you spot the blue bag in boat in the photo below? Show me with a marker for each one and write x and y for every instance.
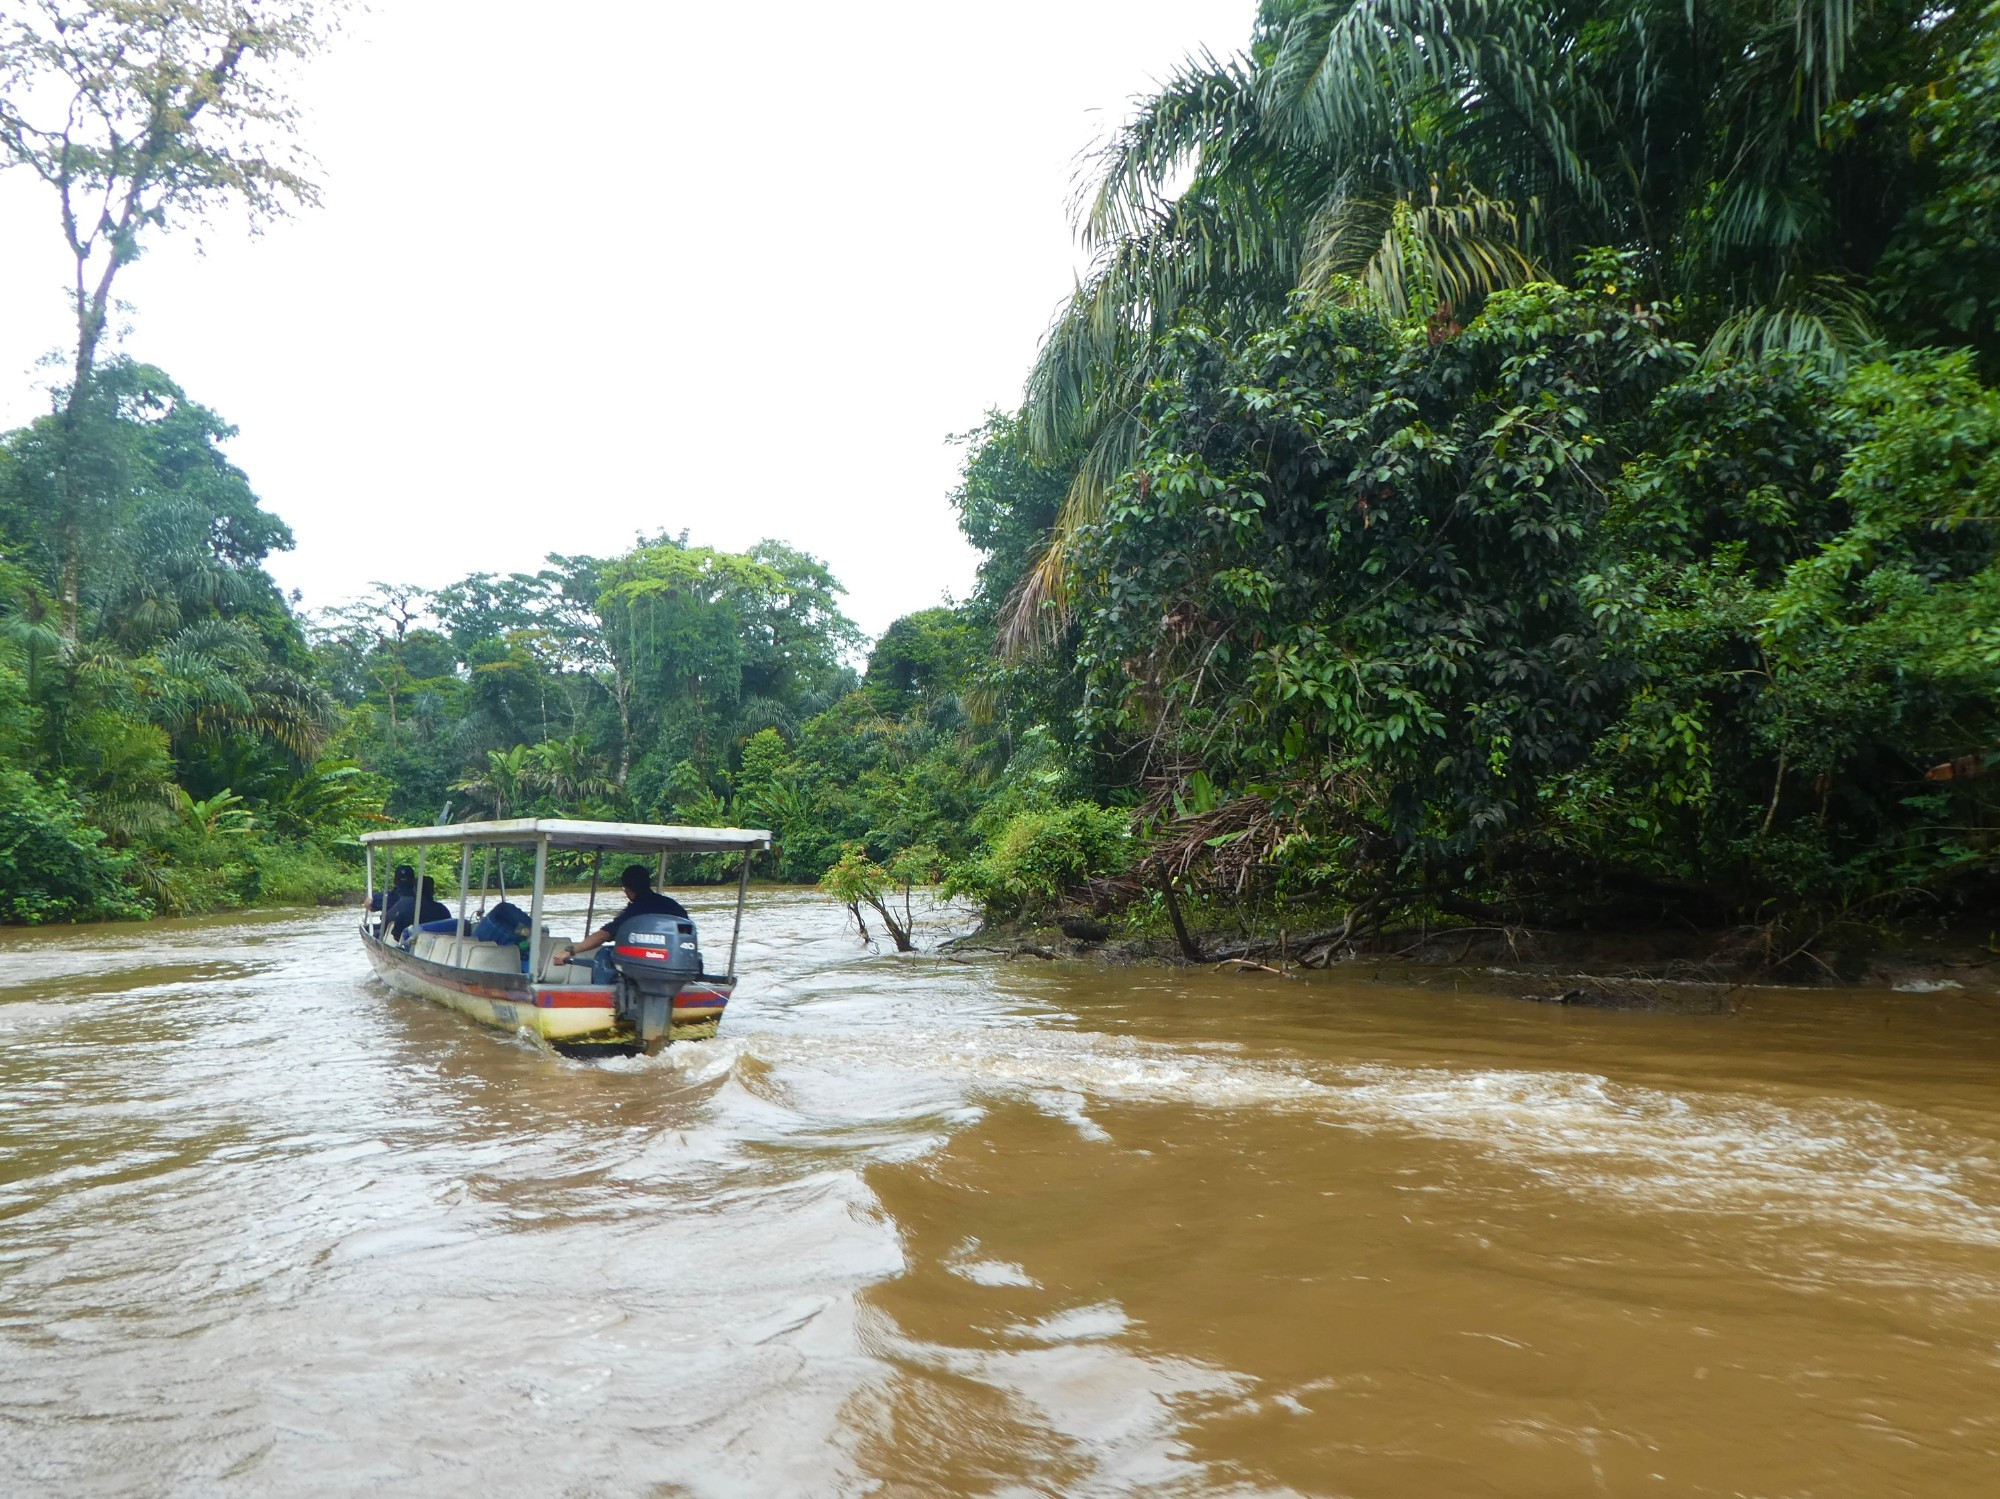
(506, 922)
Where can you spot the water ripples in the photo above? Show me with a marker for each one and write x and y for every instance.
(910, 1227)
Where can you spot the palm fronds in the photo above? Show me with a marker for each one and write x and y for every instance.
(214, 679)
(1416, 254)
(1034, 613)
(1418, 155)
(1824, 321)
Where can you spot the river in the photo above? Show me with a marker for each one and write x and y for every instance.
(919, 1227)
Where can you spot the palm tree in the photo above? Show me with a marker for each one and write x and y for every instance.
(216, 816)
(504, 783)
(566, 769)
(31, 631)
(330, 796)
(1416, 155)
(115, 721)
(163, 571)
(214, 679)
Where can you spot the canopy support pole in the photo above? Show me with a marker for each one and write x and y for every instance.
(535, 913)
(742, 892)
(416, 898)
(368, 881)
(590, 911)
(464, 894)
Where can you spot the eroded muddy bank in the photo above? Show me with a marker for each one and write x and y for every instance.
(1630, 969)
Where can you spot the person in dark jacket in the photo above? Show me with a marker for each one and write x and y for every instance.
(404, 883)
(405, 909)
(641, 899)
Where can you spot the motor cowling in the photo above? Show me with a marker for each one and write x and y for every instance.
(656, 957)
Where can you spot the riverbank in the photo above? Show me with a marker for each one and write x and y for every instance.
(1614, 969)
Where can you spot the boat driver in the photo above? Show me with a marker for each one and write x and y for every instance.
(641, 899)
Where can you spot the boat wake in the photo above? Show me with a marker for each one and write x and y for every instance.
(1829, 1159)
(1826, 1159)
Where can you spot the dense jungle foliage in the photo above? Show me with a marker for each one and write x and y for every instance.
(1541, 465)
(164, 747)
(198, 743)
(1523, 464)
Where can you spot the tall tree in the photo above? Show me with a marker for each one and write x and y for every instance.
(141, 115)
(1755, 156)
(372, 638)
(694, 634)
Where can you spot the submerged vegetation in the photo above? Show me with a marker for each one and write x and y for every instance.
(1520, 465)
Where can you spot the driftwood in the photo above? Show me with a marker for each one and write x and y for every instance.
(1303, 946)
(1245, 965)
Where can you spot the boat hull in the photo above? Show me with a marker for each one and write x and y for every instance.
(573, 1018)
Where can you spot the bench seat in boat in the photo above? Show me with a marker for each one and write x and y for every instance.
(481, 957)
(489, 957)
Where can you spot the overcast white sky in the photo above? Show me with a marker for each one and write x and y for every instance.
(583, 272)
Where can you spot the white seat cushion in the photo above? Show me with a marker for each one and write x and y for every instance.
(554, 972)
(492, 957)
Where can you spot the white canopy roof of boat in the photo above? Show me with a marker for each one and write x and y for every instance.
(562, 832)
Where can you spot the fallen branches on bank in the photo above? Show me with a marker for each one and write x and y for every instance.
(1246, 965)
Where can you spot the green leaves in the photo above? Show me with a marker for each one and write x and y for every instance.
(1336, 539)
(696, 636)
(54, 865)
(1820, 583)
(1420, 158)
(1041, 856)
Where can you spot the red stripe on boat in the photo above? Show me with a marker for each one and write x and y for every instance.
(569, 999)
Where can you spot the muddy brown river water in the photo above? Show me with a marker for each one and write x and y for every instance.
(916, 1227)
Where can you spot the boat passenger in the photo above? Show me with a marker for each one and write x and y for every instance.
(508, 925)
(641, 899)
(404, 883)
(406, 909)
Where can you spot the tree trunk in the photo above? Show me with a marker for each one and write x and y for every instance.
(623, 691)
(91, 307)
(72, 557)
(1189, 949)
(898, 932)
(69, 585)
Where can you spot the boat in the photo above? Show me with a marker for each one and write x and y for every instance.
(664, 991)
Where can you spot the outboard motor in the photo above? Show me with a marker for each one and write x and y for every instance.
(655, 959)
